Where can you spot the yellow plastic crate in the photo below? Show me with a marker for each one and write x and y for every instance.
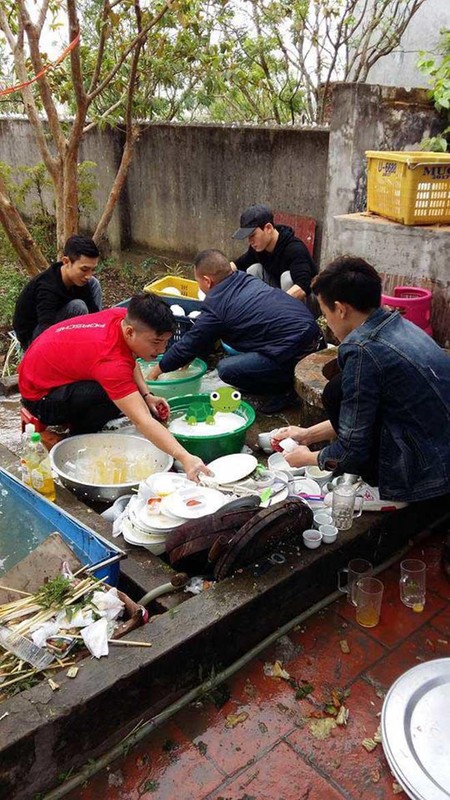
(188, 289)
(412, 188)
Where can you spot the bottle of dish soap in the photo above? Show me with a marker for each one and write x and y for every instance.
(37, 466)
(26, 436)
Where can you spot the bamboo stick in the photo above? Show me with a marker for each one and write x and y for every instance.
(17, 591)
(123, 642)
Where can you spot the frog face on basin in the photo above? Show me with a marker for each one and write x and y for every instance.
(225, 399)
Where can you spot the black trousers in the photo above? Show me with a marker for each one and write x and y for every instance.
(332, 399)
(84, 406)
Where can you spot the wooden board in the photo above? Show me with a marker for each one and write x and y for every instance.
(43, 563)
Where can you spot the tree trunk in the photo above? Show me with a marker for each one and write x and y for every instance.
(58, 184)
(116, 188)
(19, 236)
(70, 194)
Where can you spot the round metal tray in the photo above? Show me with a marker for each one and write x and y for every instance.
(415, 726)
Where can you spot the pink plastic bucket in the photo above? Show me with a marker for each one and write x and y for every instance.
(414, 303)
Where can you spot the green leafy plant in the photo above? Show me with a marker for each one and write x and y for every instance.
(438, 70)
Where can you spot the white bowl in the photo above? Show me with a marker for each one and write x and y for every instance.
(278, 463)
(321, 476)
(322, 518)
(312, 538)
(329, 533)
(104, 446)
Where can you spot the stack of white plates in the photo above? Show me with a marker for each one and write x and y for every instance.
(164, 502)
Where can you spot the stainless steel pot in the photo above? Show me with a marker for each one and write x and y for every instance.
(63, 458)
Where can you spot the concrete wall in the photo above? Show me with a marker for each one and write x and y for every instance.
(405, 256)
(188, 184)
(399, 68)
(18, 148)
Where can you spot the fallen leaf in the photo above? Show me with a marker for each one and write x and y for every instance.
(235, 719)
(375, 775)
(72, 672)
(344, 646)
(396, 788)
(321, 728)
(53, 685)
(250, 690)
(377, 735)
(276, 671)
(262, 727)
(303, 690)
(369, 744)
(342, 716)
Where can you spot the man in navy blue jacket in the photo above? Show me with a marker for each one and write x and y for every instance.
(271, 330)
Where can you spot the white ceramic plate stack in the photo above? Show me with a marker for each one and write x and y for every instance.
(164, 502)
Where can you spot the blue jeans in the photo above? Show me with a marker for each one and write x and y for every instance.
(257, 374)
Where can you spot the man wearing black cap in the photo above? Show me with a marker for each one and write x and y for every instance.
(275, 254)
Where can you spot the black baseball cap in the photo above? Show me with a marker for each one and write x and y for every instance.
(256, 216)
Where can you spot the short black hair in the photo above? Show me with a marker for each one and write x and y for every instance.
(147, 310)
(77, 246)
(213, 263)
(351, 280)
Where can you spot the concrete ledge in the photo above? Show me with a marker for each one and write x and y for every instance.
(48, 733)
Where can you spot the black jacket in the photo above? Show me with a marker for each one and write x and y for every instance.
(252, 317)
(289, 255)
(42, 298)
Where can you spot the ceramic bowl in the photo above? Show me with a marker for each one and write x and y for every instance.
(321, 476)
(329, 533)
(278, 463)
(312, 538)
(322, 518)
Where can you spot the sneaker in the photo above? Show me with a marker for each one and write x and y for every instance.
(279, 402)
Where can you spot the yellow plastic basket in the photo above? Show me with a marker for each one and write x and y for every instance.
(412, 188)
(186, 287)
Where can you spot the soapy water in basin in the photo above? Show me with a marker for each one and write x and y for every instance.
(223, 423)
(190, 371)
(92, 468)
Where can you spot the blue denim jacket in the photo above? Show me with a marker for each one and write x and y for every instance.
(395, 373)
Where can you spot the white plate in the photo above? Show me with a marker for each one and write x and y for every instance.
(276, 498)
(229, 469)
(162, 484)
(210, 500)
(156, 544)
(415, 730)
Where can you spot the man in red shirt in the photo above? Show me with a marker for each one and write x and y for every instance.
(82, 371)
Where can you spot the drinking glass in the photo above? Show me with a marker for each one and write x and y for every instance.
(413, 583)
(368, 597)
(343, 506)
(357, 568)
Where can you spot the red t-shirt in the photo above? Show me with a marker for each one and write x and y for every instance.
(86, 348)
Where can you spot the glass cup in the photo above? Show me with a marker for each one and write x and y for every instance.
(368, 597)
(413, 583)
(343, 506)
(357, 568)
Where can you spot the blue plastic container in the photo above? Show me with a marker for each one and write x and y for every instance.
(28, 515)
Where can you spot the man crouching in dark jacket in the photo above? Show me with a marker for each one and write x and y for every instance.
(275, 254)
(270, 330)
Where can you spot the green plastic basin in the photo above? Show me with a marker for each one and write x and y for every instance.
(175, 387)
(215, 445)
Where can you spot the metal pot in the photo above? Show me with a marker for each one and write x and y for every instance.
(63, 458)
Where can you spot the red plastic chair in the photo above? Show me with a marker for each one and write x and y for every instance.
(304, 227)
(414, 303)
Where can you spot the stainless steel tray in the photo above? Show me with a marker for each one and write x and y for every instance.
(415, 726)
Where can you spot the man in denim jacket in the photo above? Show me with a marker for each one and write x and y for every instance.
(393, 422)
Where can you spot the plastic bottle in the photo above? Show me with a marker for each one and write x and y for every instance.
(26, 436)
(37, 467)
